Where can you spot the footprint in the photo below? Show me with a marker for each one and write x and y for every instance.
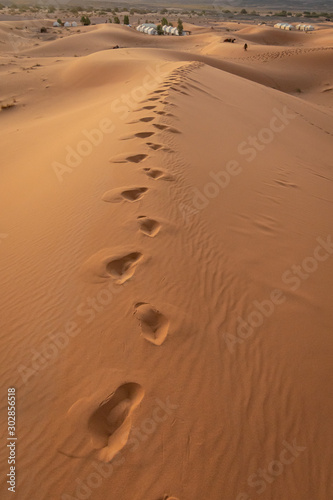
(144, 135)
(134, 194)
(153, 99)
(154, 146)
(118, 195)
(160, 126)
(148, 107)
(147, 119)
(132, 159)
(155, 174)
(149, 227)
(136, 158)
(139, 135)
(167, 103)
(285, 184)
(110, 424)
(122, 269)
(154, 325)
(109, 263)
(99, 427)
(166, 497)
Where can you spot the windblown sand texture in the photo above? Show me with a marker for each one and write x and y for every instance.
(155, 203)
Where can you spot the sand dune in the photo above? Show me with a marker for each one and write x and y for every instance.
(271, 36)
(166, 260)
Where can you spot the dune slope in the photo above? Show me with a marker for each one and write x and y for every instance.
(166, 261)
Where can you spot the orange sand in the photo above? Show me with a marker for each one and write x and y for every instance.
(166, 265)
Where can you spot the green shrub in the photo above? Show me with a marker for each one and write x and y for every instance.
(85, 20)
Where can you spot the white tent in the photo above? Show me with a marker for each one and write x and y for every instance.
(67, 24)
(284, 26)
(149, 31)
(56, 24)
(167, 29)
(74, 24)
(304, 27)
(148, 28)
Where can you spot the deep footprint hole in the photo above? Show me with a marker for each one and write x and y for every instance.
(136, 158)
(118, 267)
(134, 194)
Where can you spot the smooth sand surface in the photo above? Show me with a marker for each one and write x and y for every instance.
(166, 263)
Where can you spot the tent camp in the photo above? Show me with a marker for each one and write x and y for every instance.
(74, 24)
(151, 29)
(56, 24)
(148, 28)
(67, 24)
(170, 30)
(304, 27)
(284, 26)
(167, 29)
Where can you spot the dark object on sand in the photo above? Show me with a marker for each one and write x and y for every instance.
(229, 40)
(245, 46)
(116, 47)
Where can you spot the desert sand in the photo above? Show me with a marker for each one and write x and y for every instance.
(166, 263)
